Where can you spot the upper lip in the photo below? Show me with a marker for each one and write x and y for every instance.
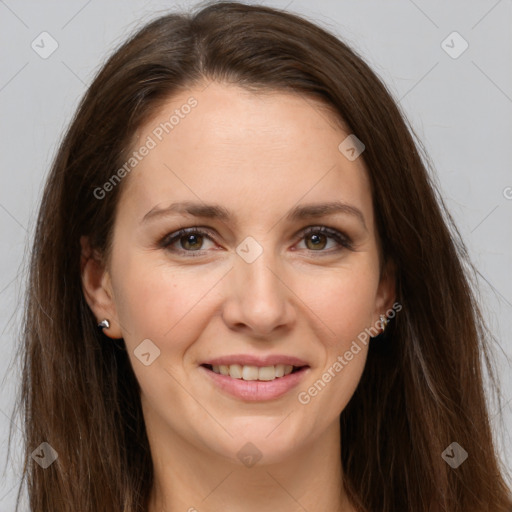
(253, 360)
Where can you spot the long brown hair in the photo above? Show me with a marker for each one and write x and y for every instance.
(423, 384)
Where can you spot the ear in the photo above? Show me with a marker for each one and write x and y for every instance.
(97, 288)
(386, 291)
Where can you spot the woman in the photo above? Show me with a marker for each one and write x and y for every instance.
(244, 294)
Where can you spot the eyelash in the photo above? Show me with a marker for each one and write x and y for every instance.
(168, 240)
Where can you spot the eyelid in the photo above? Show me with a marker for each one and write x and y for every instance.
(343, 240)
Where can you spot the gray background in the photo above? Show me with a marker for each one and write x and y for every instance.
(459, 107)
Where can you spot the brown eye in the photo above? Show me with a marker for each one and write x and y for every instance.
(191, 242)
(317, 241)
(188, 240)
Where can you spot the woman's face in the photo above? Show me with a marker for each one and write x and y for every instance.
(254, 283)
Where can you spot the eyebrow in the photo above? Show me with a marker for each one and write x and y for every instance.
(213, 211)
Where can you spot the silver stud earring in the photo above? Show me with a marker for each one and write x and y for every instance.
(384, 322)
(104, 323)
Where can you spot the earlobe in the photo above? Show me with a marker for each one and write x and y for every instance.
(97, 289)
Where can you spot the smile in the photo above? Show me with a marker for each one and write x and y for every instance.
(250, 372)
(253, 383)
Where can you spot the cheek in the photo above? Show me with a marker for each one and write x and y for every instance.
(344, 301)
(167, 307)
(327, 394)
(345, 307)
(162, 303)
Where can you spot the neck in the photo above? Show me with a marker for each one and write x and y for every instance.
(190, 478)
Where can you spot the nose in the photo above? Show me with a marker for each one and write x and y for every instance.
(258, 299)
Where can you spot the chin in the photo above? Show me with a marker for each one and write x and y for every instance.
(261, 441)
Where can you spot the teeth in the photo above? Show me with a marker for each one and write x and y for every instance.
(249, 372)
(235, 371)
(280, 370)
(266, 373)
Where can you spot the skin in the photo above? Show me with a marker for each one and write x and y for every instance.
(258, 155)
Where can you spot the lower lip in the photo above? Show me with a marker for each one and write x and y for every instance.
(256, 390)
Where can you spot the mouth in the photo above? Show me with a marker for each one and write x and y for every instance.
(255, 377)
(254, 373)
(255, 383)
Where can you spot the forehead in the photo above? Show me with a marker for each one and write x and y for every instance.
(244, 150)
